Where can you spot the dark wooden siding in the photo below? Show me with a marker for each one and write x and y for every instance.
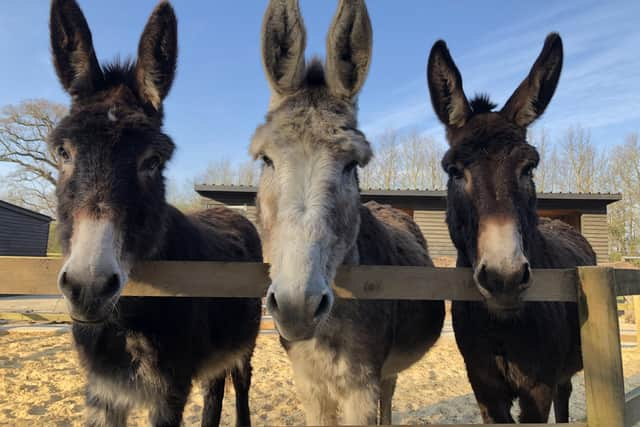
(22, 234)
(596, 230)
(434, 228)
(590, 220)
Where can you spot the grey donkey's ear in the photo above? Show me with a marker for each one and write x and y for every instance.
(445, 87)
(349, 48)
(283, 44)
(533, 95)
(157, 55)
(72, 48)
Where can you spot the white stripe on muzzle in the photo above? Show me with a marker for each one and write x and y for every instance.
(96, 250)
(500, 245)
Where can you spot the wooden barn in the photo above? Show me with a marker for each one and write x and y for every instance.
(22, 232)
(586, 212)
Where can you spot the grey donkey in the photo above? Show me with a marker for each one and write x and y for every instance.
(346, 354)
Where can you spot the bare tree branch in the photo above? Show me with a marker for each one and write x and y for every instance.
(24, 129)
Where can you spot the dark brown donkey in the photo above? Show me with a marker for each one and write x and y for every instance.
(112, 214)
(512, 349)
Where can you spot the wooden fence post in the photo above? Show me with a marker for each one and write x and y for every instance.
(636, 318)
(601, 354)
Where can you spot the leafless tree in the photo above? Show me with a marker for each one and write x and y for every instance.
(219, 172)
(23, 144)
(183, 195)
(420, 162)
(623, 175)
(582, 163)
(248, 173)
(387, 162)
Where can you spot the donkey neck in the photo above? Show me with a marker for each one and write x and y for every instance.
(181, 238)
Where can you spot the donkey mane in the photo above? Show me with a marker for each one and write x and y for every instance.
(314, 75)
(482, 103)
(119, 71)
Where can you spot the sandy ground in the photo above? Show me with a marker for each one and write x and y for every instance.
(41, 384)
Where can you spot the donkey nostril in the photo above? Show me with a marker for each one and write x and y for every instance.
(272, 304)
(482, 275)
(324, 306)
(69, 289)
(526, 275)
(112, 286)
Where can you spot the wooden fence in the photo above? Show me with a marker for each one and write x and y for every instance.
(593, 288)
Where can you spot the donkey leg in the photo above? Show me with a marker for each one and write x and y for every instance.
(387, 388)
(561, 402)
(535, 403)
(361, 404)
(102, 413)
(242, 382)
(168, 410)
(213, 396)
(494, 399)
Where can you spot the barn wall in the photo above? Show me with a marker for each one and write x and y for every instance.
(434, 228)
(596, 231)
(432, 224)
(22, 234)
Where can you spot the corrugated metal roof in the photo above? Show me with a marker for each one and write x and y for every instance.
(611, 197)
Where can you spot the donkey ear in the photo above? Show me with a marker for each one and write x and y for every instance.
(533, 95)
(349, 48)
(157, 55)
(445, 86)
(283, 44)
(73, 56)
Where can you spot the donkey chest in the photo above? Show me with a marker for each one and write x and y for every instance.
(316, 362)
(129, 375)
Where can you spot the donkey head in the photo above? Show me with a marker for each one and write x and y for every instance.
(308, 196)
(111, 154)
(491, 195)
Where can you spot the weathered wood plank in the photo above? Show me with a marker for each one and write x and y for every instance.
(604, 380)
(200, 279)
(636, 317)
(632, 408)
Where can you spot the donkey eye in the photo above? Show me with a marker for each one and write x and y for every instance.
(350, 167)
(528, 170)
(454, 171)
(150, 164)
(267, 161)
(63, 154)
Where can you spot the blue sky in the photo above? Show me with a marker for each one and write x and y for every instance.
(220, 93)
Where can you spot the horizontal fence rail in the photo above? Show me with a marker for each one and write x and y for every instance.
(38, 276)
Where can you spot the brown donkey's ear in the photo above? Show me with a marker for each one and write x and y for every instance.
(283, 44)
(533, 95)
(445, 86)
(73, 56)
(157, 55)
(349, 48)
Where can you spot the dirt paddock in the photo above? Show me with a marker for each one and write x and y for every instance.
(42, 384)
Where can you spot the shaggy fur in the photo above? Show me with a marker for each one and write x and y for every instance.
(532, 354)
(311, 220)
(144, 352)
